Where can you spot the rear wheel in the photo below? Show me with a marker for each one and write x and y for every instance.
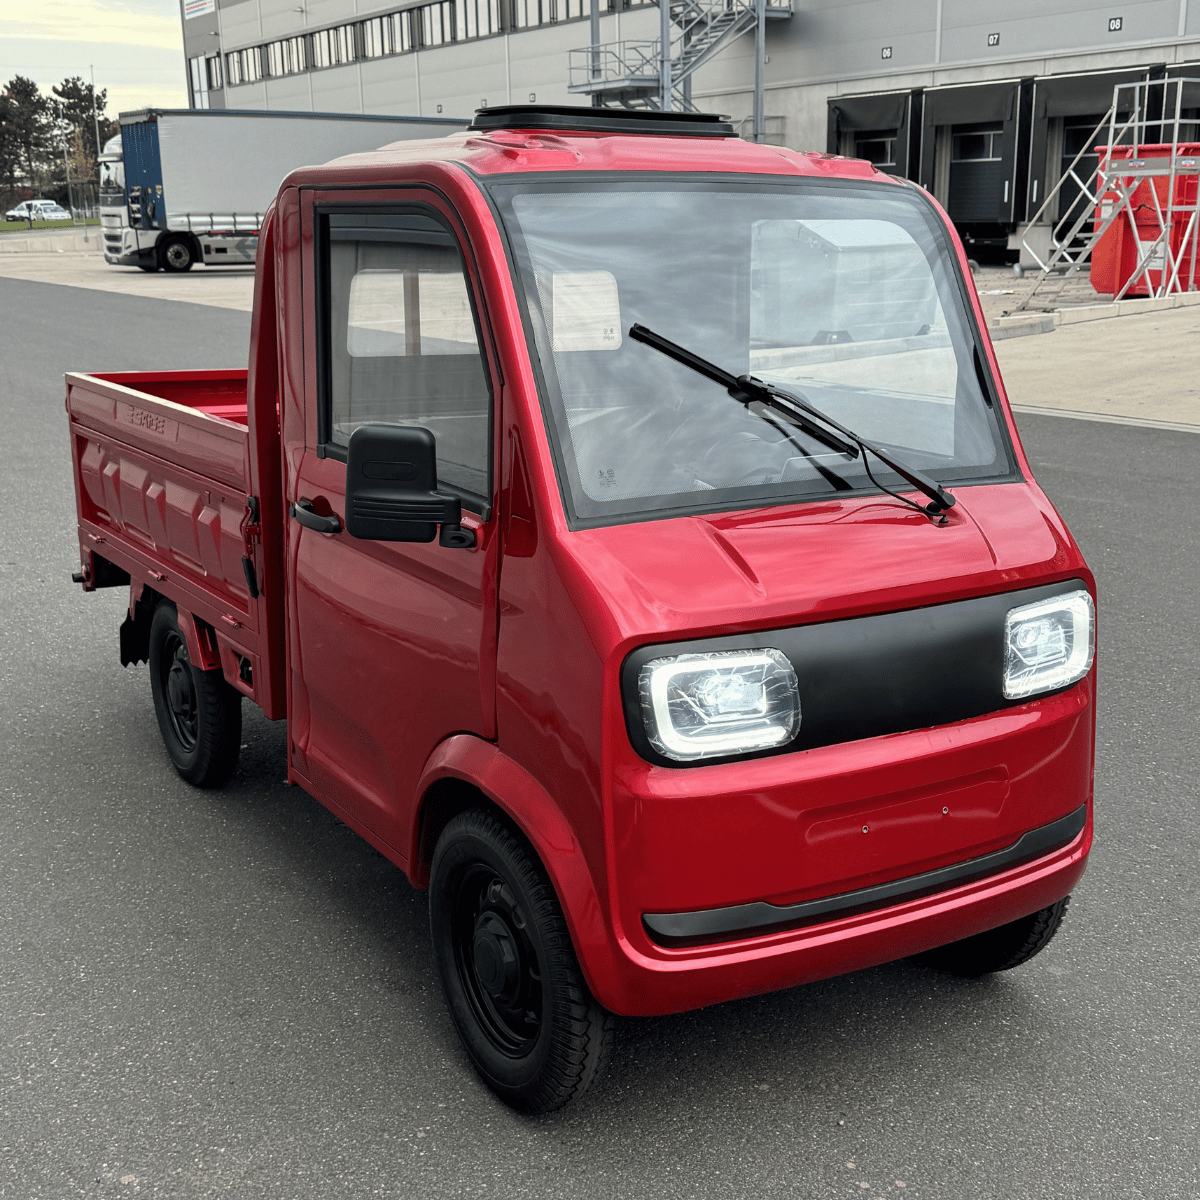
(999, 949)
(509, 972)
(199, 714)
(175, 253)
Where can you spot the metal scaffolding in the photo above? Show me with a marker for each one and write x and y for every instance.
(657, 74)
(1146, 143)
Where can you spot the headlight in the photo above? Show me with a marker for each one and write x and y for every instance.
(712, 705)
(1048, 645)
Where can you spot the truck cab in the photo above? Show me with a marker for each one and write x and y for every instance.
(630, 523)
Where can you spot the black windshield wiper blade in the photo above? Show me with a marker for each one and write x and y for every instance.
(747, 389)
(757, 390)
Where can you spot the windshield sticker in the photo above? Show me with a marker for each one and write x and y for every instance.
(587, 311)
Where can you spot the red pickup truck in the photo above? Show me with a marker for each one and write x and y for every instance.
(630, 524)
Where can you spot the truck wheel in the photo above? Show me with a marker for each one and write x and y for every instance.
(175, 253)
(999, 949)
(199, 714)
(509, 972)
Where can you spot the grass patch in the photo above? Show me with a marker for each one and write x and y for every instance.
(61, 226)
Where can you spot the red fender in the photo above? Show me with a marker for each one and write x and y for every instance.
(531, 807)
(201, 643)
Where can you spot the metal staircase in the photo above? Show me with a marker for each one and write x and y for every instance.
(1142, 114)
(637, 74)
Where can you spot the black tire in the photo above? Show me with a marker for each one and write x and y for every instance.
(999, 949)
(509, 973)
(199, 714)
(176, 253)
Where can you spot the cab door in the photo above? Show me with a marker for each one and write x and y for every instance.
(392, 645)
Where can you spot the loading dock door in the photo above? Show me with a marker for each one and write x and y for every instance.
(1078, 133)
(1062, 104)
(977, 177)
(878, 147)
(883, 128)
(969, 141)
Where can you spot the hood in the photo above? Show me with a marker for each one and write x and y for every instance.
(718, 573)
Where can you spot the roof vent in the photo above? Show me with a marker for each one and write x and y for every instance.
(578, 119)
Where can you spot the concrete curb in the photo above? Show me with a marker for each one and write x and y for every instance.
(54, 243)
(1023, 324)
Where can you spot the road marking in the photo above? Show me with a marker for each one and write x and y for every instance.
(1108, 418)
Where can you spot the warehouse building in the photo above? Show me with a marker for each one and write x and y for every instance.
(983, 104)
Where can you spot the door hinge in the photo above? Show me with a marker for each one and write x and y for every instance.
(251, 532)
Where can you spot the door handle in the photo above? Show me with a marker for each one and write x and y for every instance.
(302, 511)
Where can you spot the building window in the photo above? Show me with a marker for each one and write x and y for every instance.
(878, 147)
(334, 47)
(382, 36)
(528, 14)
(438, 24)
(199, 80)
(980, 146)
(435, 23)
(476, 18)
(287, 57)
(244, 66)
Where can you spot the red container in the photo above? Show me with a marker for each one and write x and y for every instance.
(1116, 255)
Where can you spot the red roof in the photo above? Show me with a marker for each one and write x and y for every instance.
(509, 151)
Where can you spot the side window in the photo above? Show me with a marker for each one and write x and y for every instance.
(400, 342)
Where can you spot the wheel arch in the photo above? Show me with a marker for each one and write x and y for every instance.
(200, 636)
(178, 235)
(465, 770)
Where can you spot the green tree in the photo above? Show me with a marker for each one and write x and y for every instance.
(10, 149)
(28, 127)
(75, 111)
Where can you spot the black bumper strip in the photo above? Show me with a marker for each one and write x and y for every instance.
(747, 920)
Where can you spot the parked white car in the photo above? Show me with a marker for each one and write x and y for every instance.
(35, 210)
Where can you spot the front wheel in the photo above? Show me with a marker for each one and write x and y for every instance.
(509, 972)
(199, 714)
(175, 253)
(999, 949)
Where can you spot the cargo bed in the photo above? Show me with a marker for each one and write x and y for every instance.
(162, 466)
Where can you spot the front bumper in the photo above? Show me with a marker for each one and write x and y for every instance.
(135, 258)
(126, 247)
(747, 920)
(677, 980)
(933, 824)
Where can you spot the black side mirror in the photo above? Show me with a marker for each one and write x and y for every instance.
(391, 488)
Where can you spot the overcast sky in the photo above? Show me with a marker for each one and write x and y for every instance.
(136, 46)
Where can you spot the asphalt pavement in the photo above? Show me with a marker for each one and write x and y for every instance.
(229, 994)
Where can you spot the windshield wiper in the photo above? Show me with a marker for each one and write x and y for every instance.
(801, 412)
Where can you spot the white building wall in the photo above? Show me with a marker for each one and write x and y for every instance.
(836, 48)
(828, 48)
(388, 85)
(342, 89)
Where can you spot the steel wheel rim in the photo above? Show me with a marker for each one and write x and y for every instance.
(496, 961)
(179, 691)
(177, 254)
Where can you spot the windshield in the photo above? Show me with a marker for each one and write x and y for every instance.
(844, 292)
(112, 181)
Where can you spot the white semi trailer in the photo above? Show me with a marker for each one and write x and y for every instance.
(181, 186)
